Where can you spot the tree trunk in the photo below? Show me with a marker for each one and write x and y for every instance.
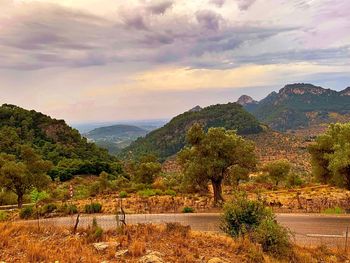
(217, 191)
(19, 200)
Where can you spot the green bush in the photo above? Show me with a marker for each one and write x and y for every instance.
(48, 208)
(188, 209)
(123, 194)
(26, 212)
(158, 192)
(68, 209)
(335, 210)
(273, 238)
(242, 216)
(94, 233)
(170, 192)
(146, 193)
(3, 216)
(93, 208)
(294, 179)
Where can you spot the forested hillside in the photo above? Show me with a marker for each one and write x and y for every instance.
(301, 105)
(54, 141)
(169, 139)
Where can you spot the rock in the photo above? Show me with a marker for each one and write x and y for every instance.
(152, 258)
(217, 260)
(121, 253)
(101, 246)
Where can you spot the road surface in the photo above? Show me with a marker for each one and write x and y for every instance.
(308, 229)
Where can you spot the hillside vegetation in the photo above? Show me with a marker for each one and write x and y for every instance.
(300, 105)
(170, 139)
(54, 141)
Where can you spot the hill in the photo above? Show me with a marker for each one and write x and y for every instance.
(169, 139)
(54, 140)
(299, 106)
(115, 137)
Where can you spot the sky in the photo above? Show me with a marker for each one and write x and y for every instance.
(108, 60)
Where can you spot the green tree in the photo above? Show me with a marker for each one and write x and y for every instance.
(330, 155)
(20, 176)
(278, 170)
(212, 155)
(147, 172)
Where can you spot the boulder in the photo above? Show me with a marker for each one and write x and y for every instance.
(152, 257)
(101, 246)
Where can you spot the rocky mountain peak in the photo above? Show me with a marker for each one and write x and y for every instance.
(301, 89)
(245, 100)
(196, 109)
(345, 92)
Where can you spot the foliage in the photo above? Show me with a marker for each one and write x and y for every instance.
(242, 216)
(48, 208)
(93, 208)
(274, 238)
(214, 155)
(147, 193)
(278, 170)
(336, 210)
(146, 172)
(187, 209)
(170, 192)
(37, 196)
(26, 212)
(95, 233)
(25, 174)
(171, 138)
(330, 156)
(53, 140)
(3, 216)
(68, 209)
(294, 179)
(123, 194)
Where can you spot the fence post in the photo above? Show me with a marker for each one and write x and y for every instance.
(346, 238)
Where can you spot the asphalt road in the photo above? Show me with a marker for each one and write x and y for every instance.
(308, 229)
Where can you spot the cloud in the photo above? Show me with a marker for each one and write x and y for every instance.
(209, 19)
(159, 8)
(218, 3)
(245, 4)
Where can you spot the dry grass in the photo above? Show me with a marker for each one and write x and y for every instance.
(175, 243)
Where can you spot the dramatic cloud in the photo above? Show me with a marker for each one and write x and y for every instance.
(104, 52)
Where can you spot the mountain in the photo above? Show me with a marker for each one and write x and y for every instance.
(54, 140)
(301, 105)
(116, 137)
(247, 102)
(169, 139)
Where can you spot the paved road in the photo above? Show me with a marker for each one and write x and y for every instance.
(309, 229)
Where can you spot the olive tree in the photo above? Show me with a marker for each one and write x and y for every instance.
(212, 156)
(20, 176)
(277, 170)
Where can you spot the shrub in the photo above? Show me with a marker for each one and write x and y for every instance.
(273, 238)
(3, 216)
(68, 209)
(146, 193)
(137, 248)
(188, 209)
(48, 208)
(334, 210)
(26, 212)
(242, 216)
(294, 179)
(170, 192)
(95, 233)
(93, 208)
(123, 194)
(158, 192)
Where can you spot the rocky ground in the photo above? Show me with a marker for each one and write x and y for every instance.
(139, 243)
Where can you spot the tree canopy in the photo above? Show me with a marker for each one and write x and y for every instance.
(213, 156)
(330, 155)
